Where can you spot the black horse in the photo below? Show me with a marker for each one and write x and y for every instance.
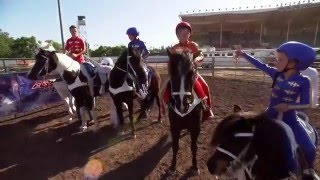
(254, 146)
(123, 79)
(185, 109)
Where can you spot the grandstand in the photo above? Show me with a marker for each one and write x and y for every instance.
(265, 27)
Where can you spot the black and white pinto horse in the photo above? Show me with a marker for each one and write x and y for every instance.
(123, 80)
(74, 74)
(185, 108)
(247, 145)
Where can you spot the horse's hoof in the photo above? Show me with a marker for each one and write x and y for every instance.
(121, 133)
(70, 119)
(134, 136)
(83, 128)
(160, 121)
(195, 171)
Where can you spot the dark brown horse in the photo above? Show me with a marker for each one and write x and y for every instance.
(185, 109)
(248, 145)
(124, 77)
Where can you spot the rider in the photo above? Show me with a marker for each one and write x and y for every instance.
(183, 32)
(135, 42)
(103, 70)
(75, 46)
(290, 92)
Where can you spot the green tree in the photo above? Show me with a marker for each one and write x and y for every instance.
(24, 47)
(102, 50)
(108, 51)
(117, 50)
(5, 43)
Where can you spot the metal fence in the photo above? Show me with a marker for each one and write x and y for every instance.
(214, 67)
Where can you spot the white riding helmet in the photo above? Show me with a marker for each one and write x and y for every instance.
(107, 61)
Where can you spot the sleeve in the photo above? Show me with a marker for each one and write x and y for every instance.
(83, 44)
(258, 64)
(305, 96)
(67, 47)
(144, 50)
(197, 53)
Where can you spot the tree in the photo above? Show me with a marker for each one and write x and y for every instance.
(108, 51)
(5, 43)
(24, 47)
(117, 50)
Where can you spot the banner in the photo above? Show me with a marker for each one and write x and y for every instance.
(20, 94)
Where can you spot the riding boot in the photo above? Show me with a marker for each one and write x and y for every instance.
(207, 113)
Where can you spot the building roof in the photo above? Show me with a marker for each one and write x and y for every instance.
(270, 16)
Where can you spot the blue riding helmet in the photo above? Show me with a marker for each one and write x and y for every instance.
(133, 31)
(300, 52)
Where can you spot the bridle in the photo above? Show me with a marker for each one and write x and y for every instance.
(237, 163)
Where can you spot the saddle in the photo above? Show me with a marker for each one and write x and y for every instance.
(303, 119)
(91, 69)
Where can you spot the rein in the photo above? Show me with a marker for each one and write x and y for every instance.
(237, 162)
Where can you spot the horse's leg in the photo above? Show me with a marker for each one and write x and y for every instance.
(92, 114)
(113, 115)
(71, 103)
(130, 109)
(194, 130)
(159, 107)
(118, 105)
(82, 111)
(143, 109)
(103, 80)
(89, 79)
(62, 89)
(175, 134)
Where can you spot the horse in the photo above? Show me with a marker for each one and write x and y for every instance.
(123, 79)
(185, 108)
(137, 71)
(249, 145)
(74, 74)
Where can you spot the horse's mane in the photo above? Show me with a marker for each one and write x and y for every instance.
(250, 117)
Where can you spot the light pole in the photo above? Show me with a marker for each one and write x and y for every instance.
(61, 29)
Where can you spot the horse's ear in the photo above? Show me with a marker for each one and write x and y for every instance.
(237, 109)
(169, 51)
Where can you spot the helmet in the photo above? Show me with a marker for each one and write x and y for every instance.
(133, 31)
(46, 46)
(184, 24)
(299, 52)
(107, 61)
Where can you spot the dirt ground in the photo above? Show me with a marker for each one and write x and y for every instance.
(46, 145)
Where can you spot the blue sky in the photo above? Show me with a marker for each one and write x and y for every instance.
(108, 20)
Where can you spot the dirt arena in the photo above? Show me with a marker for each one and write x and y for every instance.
(45, 145)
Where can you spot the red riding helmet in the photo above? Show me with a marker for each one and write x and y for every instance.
(184, 24)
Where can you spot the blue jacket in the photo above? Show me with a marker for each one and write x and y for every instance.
(137, 43)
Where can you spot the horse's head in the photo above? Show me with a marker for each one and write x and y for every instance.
(122, 62)
(182, 77)
(44, 62)
(136, 63)
(231, 142)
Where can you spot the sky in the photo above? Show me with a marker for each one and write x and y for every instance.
(108, 20)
